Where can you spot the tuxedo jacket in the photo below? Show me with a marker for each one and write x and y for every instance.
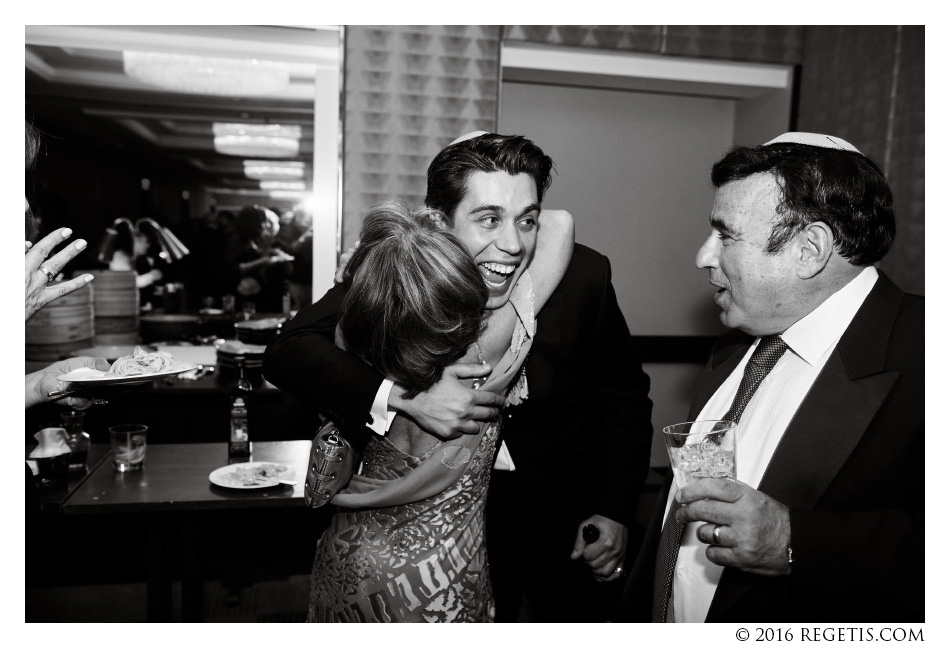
(850, 467)
(581, 439)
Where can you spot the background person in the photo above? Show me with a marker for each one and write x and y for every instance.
(135, 251)
(42, 266)
(257, 269)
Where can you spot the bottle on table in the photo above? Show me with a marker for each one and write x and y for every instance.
(239, 444)
(77, 440)
(285, 299)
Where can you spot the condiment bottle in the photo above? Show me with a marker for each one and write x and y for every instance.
(239, 443)
(76, 439)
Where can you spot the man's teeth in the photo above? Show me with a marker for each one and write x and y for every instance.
(499, 268)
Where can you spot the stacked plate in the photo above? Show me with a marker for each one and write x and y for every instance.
(62, 327)
(232, 354)
(169, 327)
(117, 307)
(261, 331)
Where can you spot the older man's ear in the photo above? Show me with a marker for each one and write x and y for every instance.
(816, 246)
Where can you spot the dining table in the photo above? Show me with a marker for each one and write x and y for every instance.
(187, 408)
(174, 492)
(51, 495)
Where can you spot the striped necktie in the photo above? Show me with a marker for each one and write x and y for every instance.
(770, 349)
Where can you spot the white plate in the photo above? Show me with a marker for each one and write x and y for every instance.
(250, 475)
(85, 375)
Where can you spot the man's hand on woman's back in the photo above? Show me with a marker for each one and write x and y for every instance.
(451, 407)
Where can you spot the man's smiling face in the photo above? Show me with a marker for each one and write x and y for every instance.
(497, 221)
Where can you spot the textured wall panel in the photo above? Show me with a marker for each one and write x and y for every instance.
(409, 91)
(905, 162)
(637, 38)
(866, 84)
(772, 43)
(759, 43)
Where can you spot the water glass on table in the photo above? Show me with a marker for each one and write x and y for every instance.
(128, 446)
(700, 449)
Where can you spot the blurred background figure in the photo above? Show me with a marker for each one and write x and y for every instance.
(294, 225)
(256, 268)
(211, 280)
(296, 238)
(137, 251)
(42, 266)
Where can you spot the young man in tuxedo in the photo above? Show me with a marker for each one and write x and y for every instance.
(575, 451)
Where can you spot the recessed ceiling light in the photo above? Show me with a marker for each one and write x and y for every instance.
(207, 75)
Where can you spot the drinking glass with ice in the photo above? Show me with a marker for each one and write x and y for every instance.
(701, 449)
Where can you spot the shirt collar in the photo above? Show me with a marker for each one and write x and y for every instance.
(812, 336)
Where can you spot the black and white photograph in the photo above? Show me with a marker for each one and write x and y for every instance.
(527, 324)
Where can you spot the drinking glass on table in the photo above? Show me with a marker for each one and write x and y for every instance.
(128, 446)
(701, 449)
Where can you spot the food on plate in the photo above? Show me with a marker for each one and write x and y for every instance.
(257, 475)
(143, 362)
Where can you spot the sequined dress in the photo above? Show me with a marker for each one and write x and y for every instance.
(423, 561)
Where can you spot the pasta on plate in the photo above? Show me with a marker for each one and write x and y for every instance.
(142, 362)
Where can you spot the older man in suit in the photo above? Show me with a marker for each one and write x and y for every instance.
(824, 373)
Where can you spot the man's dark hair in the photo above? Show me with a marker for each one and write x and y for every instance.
(842, 189)
(449, 171)
(249, 223)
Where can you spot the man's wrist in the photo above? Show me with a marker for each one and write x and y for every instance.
(397, 402)
(787, 535)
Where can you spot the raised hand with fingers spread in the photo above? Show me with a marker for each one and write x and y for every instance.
(41, 269)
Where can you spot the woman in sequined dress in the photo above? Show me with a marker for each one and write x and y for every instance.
(407, 542)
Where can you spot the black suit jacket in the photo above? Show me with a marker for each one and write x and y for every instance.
(583, 436)
(850, 467)
(581, 441)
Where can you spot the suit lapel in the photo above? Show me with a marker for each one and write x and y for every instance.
(823, 433)
(839, 407)
(541, 366)
(830, 421)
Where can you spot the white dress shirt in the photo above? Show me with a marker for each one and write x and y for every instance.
(811, 341)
